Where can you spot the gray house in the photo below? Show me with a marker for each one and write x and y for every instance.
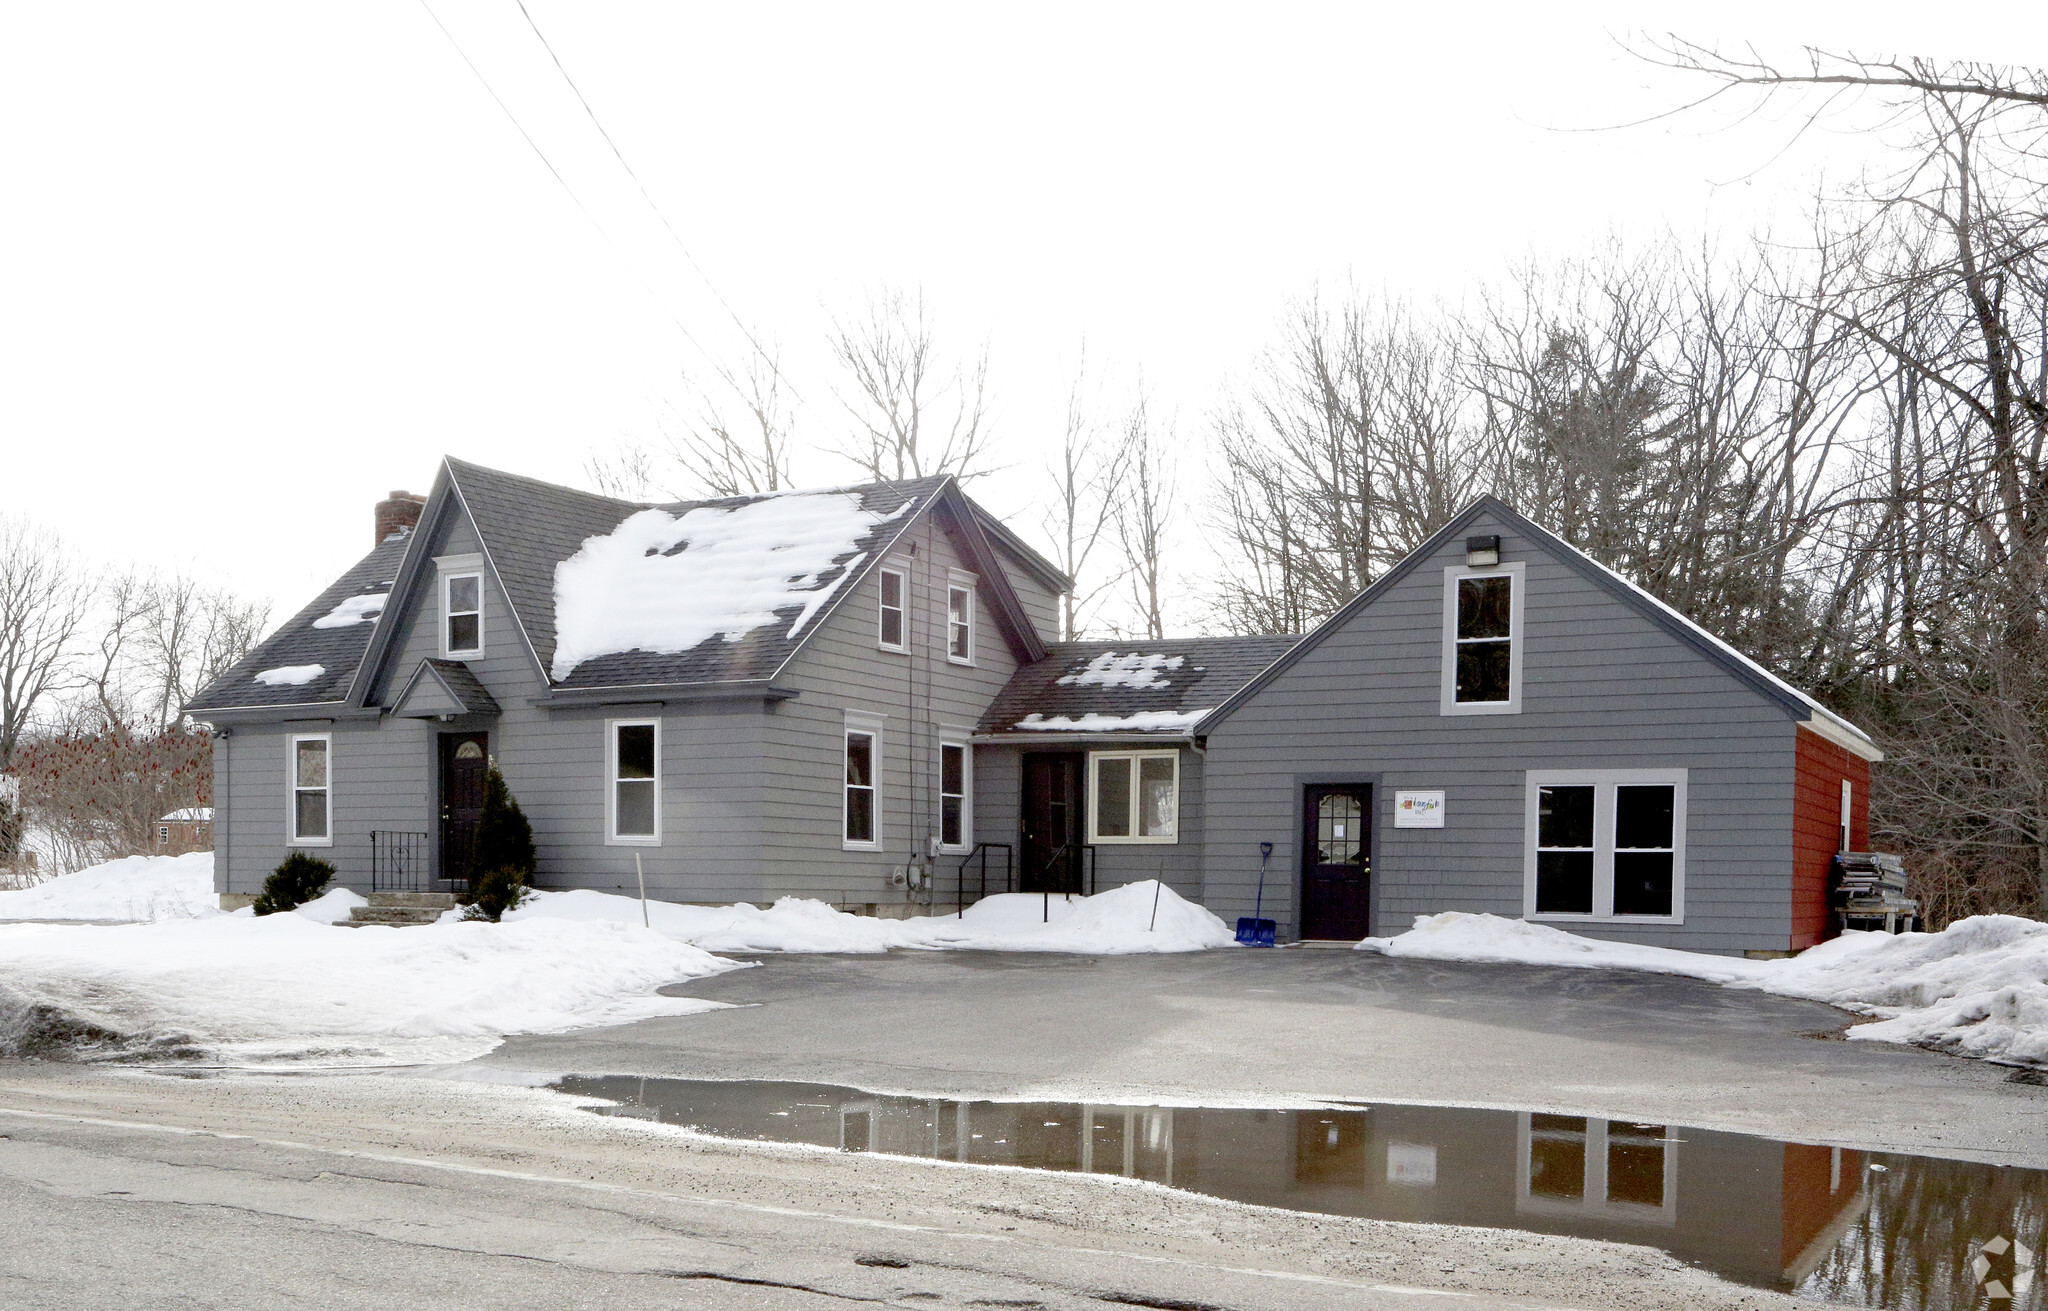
(851, 694)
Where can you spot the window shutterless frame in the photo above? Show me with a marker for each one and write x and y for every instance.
(960, 617)
(1133, 797)
(892, 617)
(860, 813)
(1621, 829)
(309, 783)
(956, 794)
(1482, 632)
(462, 605)
(632, 782)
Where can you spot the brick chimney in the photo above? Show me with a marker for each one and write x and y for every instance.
(398, 513)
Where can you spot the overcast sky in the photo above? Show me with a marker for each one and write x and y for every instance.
(260, 264)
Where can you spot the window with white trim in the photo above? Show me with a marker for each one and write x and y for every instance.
(1606, 845)
(893, 621)
(956, 796)
(312, 801)
(462, 614)
(1572, 1165)
(861, 811)
(633, 782)
(1133, 796)
(960, 619)
(1848, 810)
(1482, 644)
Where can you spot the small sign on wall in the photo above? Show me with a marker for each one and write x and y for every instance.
(1419, 809)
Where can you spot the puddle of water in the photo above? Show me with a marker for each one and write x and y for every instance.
(1871, 1229)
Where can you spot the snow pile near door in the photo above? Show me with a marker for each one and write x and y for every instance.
(1978, 988)
(138, 888)
(289, 989)
(1117, 922)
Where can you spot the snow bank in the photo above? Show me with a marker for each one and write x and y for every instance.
(290, 675)
(1978, 988)
(288, 988)
(1117, 922)
(1133, 670)
(136, 888)
(666, 583)
(1142, 721)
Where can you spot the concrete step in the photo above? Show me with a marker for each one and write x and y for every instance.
(396, 916)
(419, 900)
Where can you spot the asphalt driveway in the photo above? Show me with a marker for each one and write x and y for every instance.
(1266, 1026)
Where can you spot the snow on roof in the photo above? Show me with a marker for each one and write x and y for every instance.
(1155, 721)
(1132, 670)
(290, 675)
(354, 610)
(189, 815)
(666, 583)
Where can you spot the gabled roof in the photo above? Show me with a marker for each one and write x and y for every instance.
(443, 687)
(1797, 704)
(329, 635)
(529, 529)
(1139, 687)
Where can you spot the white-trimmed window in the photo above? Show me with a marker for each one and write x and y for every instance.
(861, 809)
(1482, 646)
(1606, 845)
(462, 604)
(956, 795)
(1848, 814)
(311, 806)
(1133, 796)
(960, 618)
(632, 800)
(892, 623)
(1571, 1165)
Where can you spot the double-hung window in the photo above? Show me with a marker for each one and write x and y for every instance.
(1606, 845)
(861, 813)
(893, 621)
(956, 797)
(1482, 645)
(1134, 796)
(633, 783)
(311, 811)
(960, 619)
(462, 605)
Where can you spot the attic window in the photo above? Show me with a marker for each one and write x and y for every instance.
(1482, 645)
(462, 605)
(894, 622)
(960, 619)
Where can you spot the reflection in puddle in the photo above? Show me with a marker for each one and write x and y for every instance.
(1873, 1229)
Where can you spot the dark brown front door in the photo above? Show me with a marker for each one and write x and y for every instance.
(1336, 861)
(1051, 859)
(465, 763)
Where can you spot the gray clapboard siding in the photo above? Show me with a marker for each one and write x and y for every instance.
(1603, 687)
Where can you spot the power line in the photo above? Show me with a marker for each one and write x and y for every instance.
(556, 173)
(645, 195)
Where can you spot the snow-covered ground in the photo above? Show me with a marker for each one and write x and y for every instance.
(1978, 988)
(135, 888)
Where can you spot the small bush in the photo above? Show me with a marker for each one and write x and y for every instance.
(504, 840)
(296, 882)
(494, 892)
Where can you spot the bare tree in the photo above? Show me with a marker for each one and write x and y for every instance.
(1086, 483)
(43, 604)
(1143, 515)
(735, 440)
(916, 412)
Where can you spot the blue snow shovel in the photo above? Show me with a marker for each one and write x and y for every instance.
(1251, 930)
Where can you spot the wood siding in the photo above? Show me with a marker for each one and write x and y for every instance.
(1604, 687)
(1816, 829)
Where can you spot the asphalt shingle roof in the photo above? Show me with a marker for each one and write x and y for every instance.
(1176, 676)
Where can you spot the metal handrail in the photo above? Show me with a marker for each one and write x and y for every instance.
(980, 852)
(398, 861)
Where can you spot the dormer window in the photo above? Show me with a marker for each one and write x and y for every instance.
(960, 619)
(894, 620)
(1482, 647)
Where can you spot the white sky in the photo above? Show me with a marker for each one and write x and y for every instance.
(264, 262)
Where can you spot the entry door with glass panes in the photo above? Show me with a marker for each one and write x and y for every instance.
(1336, 861)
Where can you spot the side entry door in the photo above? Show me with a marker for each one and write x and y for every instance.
(1336, 861)
(1051, 858)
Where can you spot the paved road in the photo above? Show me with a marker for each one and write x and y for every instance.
(1256, 1026)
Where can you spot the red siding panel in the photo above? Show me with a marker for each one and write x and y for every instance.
(1819, 768)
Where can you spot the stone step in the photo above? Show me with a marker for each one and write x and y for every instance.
(419, 900)
(396, 916)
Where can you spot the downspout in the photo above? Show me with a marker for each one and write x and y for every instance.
(222, 814)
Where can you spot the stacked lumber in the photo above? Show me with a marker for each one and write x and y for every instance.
(1872, 885)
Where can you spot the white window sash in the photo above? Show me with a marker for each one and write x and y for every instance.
(612, 836)
(962, 584)
(966, 843)
(1449, 703)
(1604, 782)
(870, 727)
(449, 614)
(1135, 800)
(901, 573)
(293, 790)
